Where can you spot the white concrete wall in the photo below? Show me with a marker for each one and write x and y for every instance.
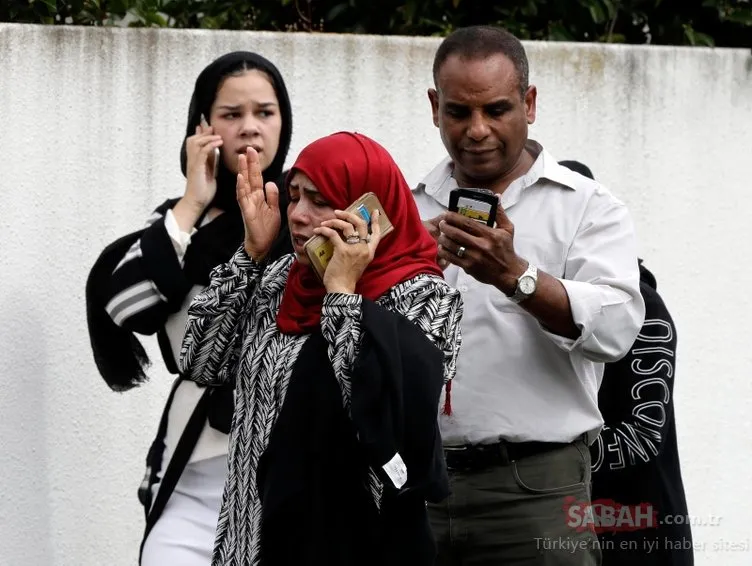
(91, 124)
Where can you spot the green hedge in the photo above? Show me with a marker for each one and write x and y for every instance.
(671, 22)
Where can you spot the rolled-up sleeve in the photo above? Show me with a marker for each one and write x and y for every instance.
(602, 280)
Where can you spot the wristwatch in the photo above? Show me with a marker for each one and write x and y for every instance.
(526, 284)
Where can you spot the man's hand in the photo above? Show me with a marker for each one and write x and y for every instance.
(432, 226)
(489, 257)
(487, 254)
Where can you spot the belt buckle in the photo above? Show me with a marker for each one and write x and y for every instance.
(463, 452)
(479, 456)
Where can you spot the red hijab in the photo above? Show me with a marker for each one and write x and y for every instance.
(344, 166)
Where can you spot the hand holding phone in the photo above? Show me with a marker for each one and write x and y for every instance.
(320, 249)
(478, 204)
(201, 152)
(488, 256)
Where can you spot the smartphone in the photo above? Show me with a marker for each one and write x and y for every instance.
(478, 204)
(215, 161)
(320, 250)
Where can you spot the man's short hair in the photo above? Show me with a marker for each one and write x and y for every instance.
(480, 42)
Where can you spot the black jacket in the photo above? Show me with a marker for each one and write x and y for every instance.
(636, 457)
(312, 477)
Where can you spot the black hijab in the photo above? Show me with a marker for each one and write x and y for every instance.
(118, 354)
(216, 243)
(204, 93)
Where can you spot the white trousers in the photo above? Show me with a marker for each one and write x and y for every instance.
(184, 534)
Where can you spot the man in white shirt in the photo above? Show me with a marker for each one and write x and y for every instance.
(550, 293)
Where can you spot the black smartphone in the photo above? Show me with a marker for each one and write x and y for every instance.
(478, 204)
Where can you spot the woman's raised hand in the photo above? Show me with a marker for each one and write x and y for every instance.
(261, 215)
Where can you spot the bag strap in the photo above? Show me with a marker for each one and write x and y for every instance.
(178, 462)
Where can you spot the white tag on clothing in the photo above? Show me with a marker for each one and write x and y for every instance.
(396, 470)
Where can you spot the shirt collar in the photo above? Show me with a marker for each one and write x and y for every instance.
(440, 181)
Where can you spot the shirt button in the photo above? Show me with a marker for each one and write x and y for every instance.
(463, 288)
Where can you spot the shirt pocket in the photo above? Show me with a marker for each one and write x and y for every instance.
(547, 255)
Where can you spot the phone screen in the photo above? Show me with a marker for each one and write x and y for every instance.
(475, 209)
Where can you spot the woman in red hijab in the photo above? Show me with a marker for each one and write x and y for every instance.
(334, 445)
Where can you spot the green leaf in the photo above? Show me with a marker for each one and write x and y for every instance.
(557, 32)
(209, 22)
(696, 37)
(704, 39)
(597, 13)
(741, 16)
(529, 10)
(613, 38)
(409, 11)
(156, 19)
(336, 11)
(689, 33)
(611, 7)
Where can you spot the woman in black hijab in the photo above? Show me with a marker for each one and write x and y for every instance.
(144, 282)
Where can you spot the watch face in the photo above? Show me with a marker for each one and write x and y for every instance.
(527, 285)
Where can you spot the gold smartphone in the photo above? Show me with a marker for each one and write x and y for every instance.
(320, 250)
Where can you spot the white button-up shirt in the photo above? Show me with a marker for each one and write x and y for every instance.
(514, 379)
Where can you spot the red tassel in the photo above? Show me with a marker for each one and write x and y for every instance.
(448, 398)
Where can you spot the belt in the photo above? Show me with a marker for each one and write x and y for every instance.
(477, 456)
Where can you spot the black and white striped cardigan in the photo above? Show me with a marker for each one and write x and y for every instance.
(232, 333)
(135, 287)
